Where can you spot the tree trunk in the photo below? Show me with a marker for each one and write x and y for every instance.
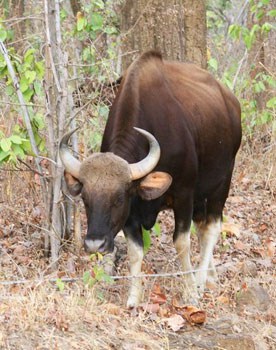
(145, 26)
(177, 28)
(56, 89)
(195, 32)
(17, 11)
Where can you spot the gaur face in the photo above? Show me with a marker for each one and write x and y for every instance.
(105, 190)
(106, 184)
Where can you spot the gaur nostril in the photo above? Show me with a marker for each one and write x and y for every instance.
(102, 247)
(94, 245)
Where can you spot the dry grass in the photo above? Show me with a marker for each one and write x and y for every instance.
(43, 318)
(39, 316)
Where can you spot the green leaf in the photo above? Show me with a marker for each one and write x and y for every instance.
(96, 21)
(24, 85)
(260, 14)
(213, 63)
(28, 94)
(9, 90)
(266, 27)
(60, 284)
(264, 2)
(16, 139)
(157, 229)
(38, 120)
(146, 240)
(41, 145)
(193, 229)
(234, 31)
(12, 158)
(86, 277)
(107, 278)
(99, 4)
(5, 144)
(29, 56)
(30, 75)
(26, 145)
(63, 14)
(3, 35)
(18, 151)
(3, 155)
(271, 103)
(272, 13)
(40, 69)
(110, 30)
(37, 88)
(81, 23)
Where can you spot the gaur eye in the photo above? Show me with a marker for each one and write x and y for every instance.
(118, 201)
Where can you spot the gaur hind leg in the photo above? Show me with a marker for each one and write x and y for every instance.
(208, 233)
(209, 229)
(183, 216)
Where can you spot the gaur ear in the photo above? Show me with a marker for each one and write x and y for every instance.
(154, 185)
(73, 184)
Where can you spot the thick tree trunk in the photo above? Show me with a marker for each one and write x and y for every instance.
(195, 32)
(152, 24)
(177, 28)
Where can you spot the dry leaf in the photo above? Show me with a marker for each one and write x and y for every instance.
(156, 296)
(112, 309)
(239, 245)
(150, 308)
(263, 227)
(270, 245)
(164, 311)
(259, 251)
(197, 317)
(175, 322)
(223, 299)
(231, 229)
(192, 314)
(58, 320)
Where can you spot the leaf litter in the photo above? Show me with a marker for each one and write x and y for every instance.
(38, 315)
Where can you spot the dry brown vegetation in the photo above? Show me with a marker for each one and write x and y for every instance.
(240, 309)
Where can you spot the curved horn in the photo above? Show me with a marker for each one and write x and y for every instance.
(71, 164)
(146, 165)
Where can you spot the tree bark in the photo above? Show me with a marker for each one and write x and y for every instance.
(56, 88)
(19, 27)
(195, 32)
(152, 24)
(176, 28)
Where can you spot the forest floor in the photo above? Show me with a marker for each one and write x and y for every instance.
(240, 309)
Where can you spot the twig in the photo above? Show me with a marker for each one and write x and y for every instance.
(30, 168)
(266, 69)
(239, 68)
(76, 113)
(49, 45)
(19, 104)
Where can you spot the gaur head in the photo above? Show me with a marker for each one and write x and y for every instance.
(107, 183)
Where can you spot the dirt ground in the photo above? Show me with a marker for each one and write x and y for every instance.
(240, 309)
